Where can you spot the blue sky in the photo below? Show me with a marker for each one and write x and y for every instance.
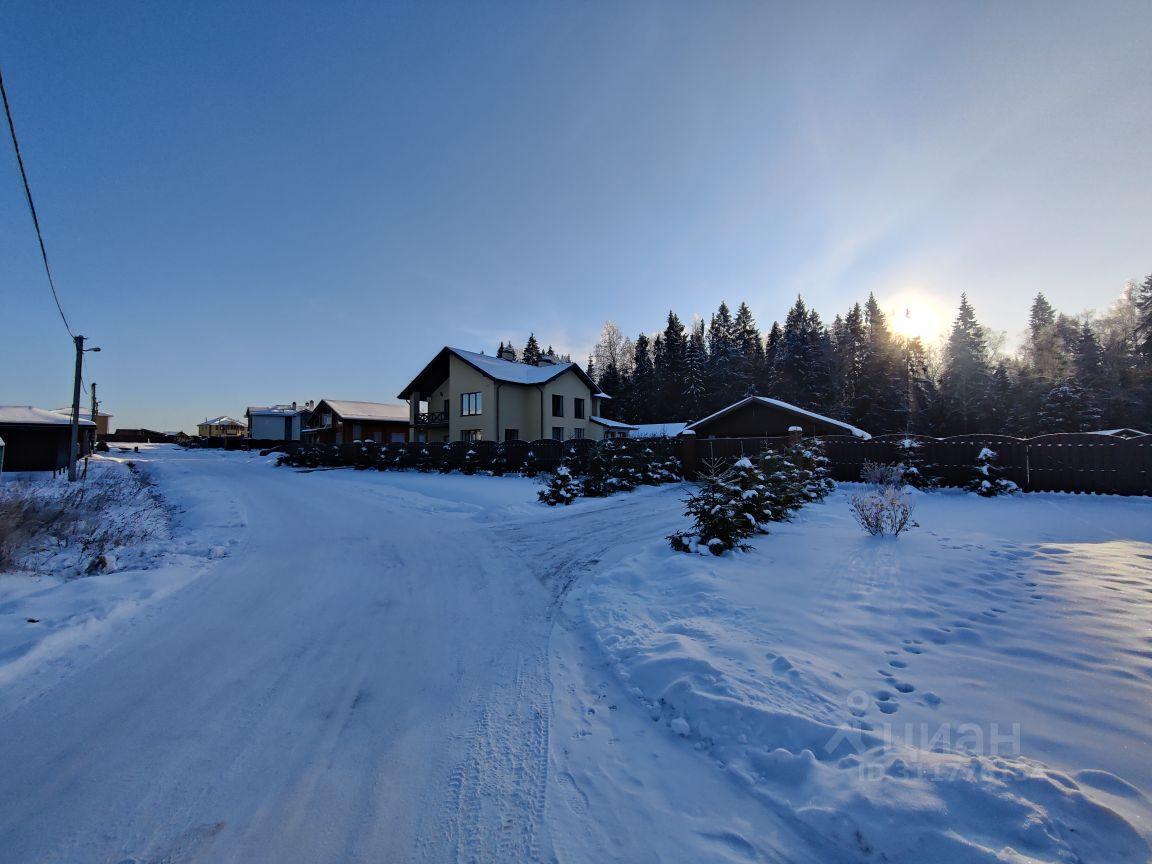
(252, 203)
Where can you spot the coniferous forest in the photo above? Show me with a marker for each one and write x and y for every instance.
(1072, 373)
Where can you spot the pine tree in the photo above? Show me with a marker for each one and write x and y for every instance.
(999, 402)
(531, 354)
(670, 370)
(748, 351)
(695, 360)
(987, 476)
(723, 389)
(1144, 319)
(643, 385)
(964, 384)
(1069, 408)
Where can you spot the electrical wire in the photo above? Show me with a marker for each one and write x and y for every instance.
(32, 207)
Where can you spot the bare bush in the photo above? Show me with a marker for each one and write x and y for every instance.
(71, 529)
(882, 475)
(884, 513)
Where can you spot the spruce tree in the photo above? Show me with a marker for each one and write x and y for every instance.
(595, 481)
(612, 384)
(748, 351)
(695, 360)
(531, 353)
(882, 401)
(1000, 402)
(1069, 408)
(723, 389)
(560, 488)
(670, 372)
(769, 374)
(987, 478)
(643, 385)
(964, 383)
(1144, 319)
(851, 351)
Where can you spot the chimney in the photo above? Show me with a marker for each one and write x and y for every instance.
(506, 353)
(293, 404)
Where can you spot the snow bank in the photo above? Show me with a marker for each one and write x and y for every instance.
(906, 701)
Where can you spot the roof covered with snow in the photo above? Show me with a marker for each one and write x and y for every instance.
(498, 369)
(26, 415)
(347, 410)
(277, 410)
(1123, 432)
(784, 406)
(611, 424)
(223, 420)
(659, 430)
(84, 412)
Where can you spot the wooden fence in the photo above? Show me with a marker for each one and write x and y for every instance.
(1064, 462)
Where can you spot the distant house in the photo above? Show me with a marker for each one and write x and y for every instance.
(277, 422)
(763, 417)
(222, 427)
(464, 396)
(338, 421)
(39, 440)
(614, 428)
(86, 414)
(142, 436)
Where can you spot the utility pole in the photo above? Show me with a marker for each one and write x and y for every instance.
(74, 452)
(95, 411)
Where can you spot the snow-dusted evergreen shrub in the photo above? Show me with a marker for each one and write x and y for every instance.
(814, 470)
(623, 473)
(595, 481)
(560, 488)
(919, 473)
(882, 475)
(784, 482)
(425, 463)
(750, 491)
(531, 466)
(719, 522)
(650, 469)
(987, 476)
(499, 466)
(445, 466)
(471, 462)
(887, 512)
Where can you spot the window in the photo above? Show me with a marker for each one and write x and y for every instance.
(511, 434)
(396, 437)
(471, 404)
(557, 406)
(578, 409)
(469, 434)
(558, 433)
(578, 432)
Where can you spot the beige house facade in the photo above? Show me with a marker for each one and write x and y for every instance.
(464, 396)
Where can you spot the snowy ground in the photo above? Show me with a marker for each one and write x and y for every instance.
(382, 666)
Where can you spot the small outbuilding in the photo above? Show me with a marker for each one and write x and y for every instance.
(39, 440)
(764, 417)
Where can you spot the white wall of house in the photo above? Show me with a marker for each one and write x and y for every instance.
(270, 427)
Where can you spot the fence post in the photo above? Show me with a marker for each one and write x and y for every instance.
(687, 440)
(795, 434)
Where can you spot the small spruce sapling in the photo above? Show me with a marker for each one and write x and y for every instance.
(919, 473)
(718, 521)
(424, 461)
(595, 484)
(987, 476)
(560, 488)
(813, 470)
(445, 465)
(499, 466)
(531, 466)
(471, 462)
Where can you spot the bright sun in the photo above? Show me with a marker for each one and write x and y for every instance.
(917, 316)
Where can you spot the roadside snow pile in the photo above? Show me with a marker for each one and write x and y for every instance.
(940, 700)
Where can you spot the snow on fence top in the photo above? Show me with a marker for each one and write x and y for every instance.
(26, 415)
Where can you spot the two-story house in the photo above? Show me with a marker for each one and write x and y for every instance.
(464, 396)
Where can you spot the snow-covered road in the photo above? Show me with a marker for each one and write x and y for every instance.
(341, 666)
(355, 682)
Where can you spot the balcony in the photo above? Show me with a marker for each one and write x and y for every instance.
(432, 418)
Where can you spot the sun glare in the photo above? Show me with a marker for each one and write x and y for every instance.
(917, 316)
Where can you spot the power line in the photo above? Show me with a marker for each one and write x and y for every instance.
(32, 207)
